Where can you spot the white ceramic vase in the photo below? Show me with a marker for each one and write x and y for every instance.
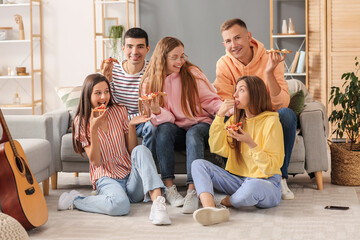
(284, 28)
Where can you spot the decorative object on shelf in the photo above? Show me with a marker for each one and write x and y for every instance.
(345, 157)
(107, 24)
(116, 33)
(18, 20)
(284, 28)
(291, 27)
(16, 99)
(21, 71)
(4, 32)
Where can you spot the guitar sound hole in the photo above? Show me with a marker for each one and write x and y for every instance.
(19, 164)
(28, 175)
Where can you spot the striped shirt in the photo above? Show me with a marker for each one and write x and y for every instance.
(115, 158)
(125, 88)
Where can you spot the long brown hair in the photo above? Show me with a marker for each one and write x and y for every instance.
(83, 111)
(155, 75)
(259, 101)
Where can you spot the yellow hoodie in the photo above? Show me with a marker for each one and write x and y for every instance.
(262, 161)
(229, 70)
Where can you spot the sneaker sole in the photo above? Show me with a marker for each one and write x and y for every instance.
(166, 222)
(210, 216)
(287, 197)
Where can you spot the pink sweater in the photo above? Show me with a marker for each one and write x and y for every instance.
(172, 112)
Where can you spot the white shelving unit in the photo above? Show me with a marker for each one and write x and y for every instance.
(34, 47)
(101, 9)
(274, 42)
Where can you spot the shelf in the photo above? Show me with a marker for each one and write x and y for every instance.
(18, 4)
(290, 36)
(24, 106)
(295, 74)
(15, 77)
(15, 41)
(112, 2)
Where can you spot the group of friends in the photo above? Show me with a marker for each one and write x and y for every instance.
(249, 88)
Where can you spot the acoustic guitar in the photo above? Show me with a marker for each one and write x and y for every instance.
(20, 194)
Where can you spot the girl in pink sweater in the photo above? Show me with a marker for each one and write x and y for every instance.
(183, 117)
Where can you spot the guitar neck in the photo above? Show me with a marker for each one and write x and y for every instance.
(6, 137)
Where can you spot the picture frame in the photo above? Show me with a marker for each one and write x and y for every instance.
(107, 23)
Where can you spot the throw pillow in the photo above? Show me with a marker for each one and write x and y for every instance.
(70, 97)
(297, 101)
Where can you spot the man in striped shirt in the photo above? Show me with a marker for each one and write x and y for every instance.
(125, 78)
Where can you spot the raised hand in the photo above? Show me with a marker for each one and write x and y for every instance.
(97, 118)
(225, 107)
(139, 119)
(153, 105)
(106, 69)
(273, 60)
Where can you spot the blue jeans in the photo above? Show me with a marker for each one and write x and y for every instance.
(170, 137)
(115, 195)
(243, 191)
(147, 132)
(288, 122)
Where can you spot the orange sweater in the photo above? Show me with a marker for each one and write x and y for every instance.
(229, 70)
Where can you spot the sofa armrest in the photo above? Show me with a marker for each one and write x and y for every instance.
(61, 119)
(316, 106)
(315, 140)
(30, 126)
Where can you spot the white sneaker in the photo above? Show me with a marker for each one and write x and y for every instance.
(174, 197)
(66, 200)
(158, 213)
(210, 215)
(191, 202)
(286, 193)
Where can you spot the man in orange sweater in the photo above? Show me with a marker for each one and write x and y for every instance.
(247, 56)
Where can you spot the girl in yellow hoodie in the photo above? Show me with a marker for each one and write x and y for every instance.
(255, 155)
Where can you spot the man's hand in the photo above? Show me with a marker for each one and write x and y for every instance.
(273, 60)
(139, 119)
(106, 69)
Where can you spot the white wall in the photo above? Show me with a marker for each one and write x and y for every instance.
(68, 49)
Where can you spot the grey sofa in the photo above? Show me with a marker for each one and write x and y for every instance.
(309, 152)
(35, 134)
(310, 148)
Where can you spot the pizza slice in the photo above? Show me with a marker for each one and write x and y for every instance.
(279, 51)
(235, 127)
(151, 96)
(101, 108)
(110, 60)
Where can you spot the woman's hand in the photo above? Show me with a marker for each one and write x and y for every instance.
(139, 119)
(225, 107)
(106, 69)
(97, 118)
(153, 105)
(242, 136)
(273, 60)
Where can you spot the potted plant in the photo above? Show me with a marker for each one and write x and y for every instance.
(345, 157)
(116, 33)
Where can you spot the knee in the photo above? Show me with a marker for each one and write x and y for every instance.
(286, 115)
(197, 164)
(164, 131)
(117, 206)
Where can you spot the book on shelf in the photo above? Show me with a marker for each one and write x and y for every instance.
(301, 63)
(294, 63)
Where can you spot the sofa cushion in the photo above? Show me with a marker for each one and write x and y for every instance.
(297, 102)
(67, 151)
(37, 152)
(70, 97)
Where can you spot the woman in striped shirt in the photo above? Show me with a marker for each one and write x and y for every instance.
(120, 171)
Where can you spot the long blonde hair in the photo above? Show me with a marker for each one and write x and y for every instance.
(155, 75)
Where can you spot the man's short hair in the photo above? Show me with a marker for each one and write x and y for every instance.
(231, 22)
(136, 33)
